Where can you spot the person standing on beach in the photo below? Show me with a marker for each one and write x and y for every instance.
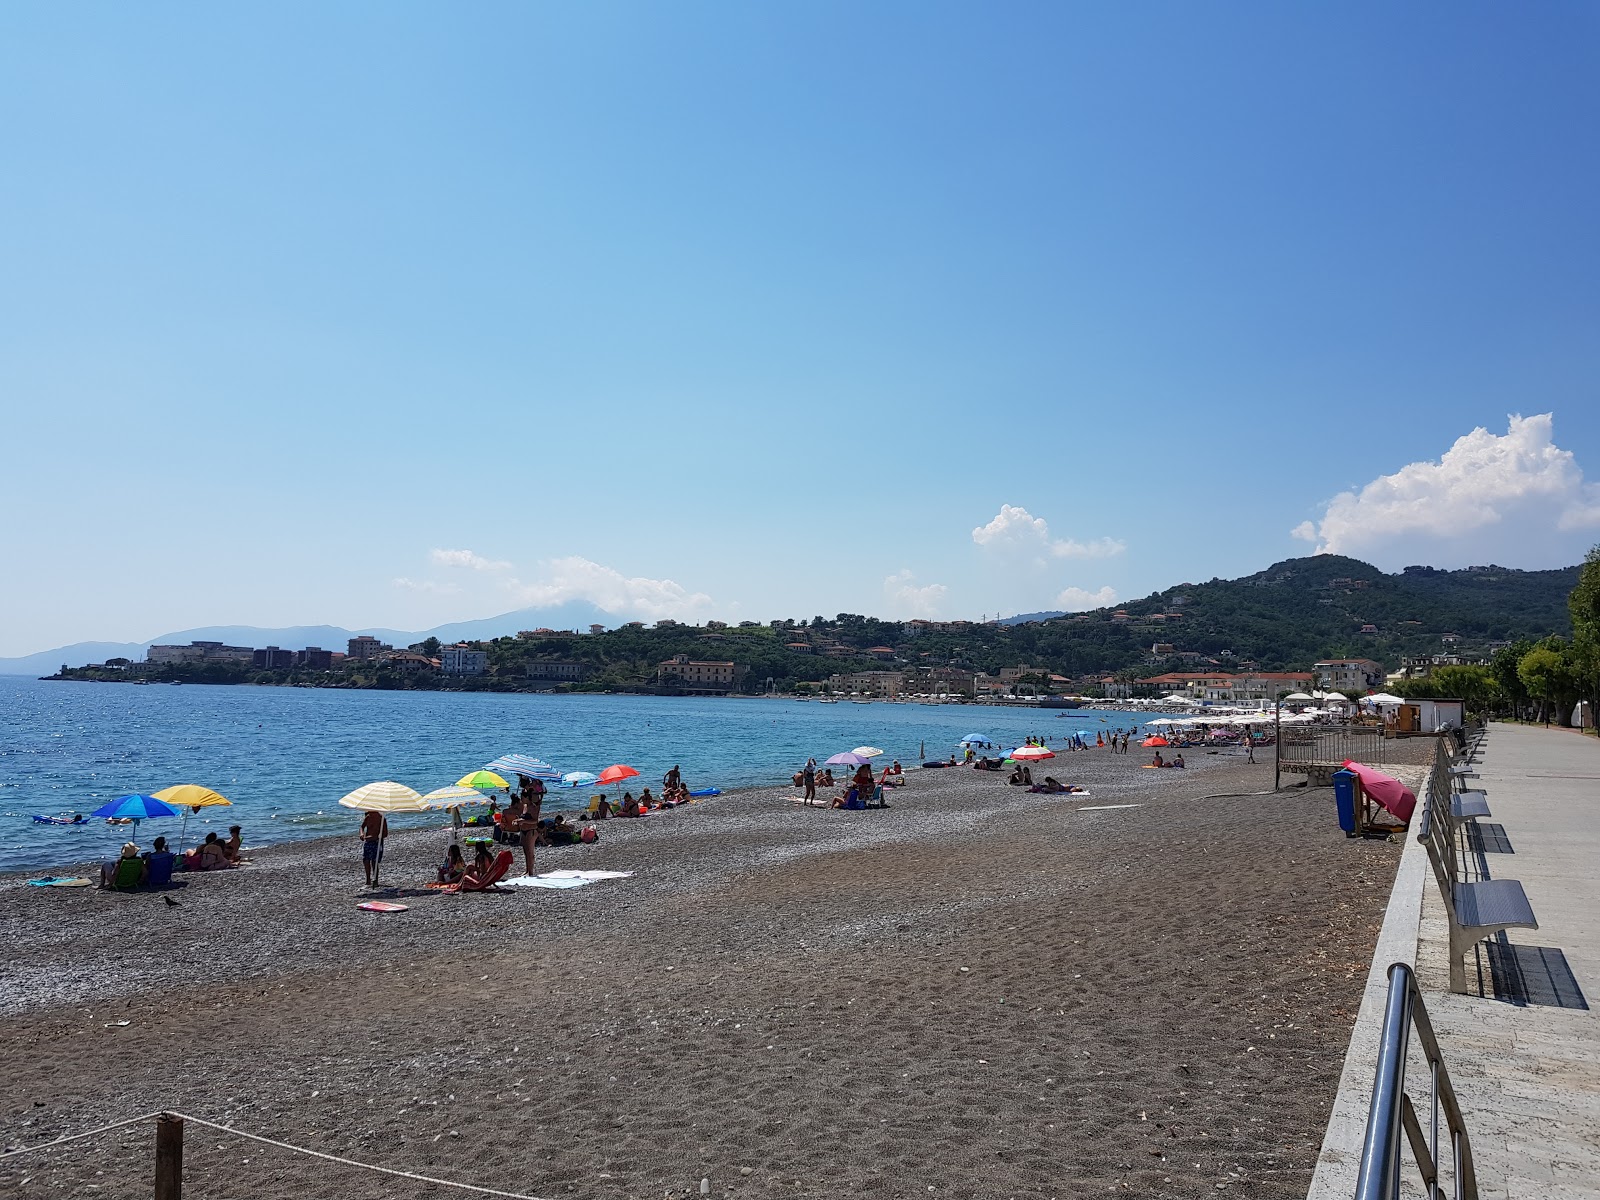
(374, 829)
(522, 818)
(808, 776)
(1249, 746)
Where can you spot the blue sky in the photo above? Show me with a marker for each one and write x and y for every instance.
(395, 314)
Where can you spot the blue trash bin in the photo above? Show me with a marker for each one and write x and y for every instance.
(1344, 795)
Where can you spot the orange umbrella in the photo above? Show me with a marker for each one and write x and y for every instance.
(1156, 741)
(616, 773)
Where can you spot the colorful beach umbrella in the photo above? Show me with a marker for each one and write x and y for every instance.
(615, 773)
(135, 807)
(846, 758)
(482, 779)
(974, 739)
(579, 779)
(453, 796)
(525, 764)
(191, 797)
(385, 796)
(1155, 741)
(1030, 754)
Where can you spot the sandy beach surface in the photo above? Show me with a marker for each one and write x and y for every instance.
(977, 992)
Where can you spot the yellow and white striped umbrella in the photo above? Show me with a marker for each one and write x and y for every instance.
(385, 796)
(453, 796)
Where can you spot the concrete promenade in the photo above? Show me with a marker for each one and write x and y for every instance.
(1526, 1065)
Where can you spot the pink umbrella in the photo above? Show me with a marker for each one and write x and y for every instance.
(1388, 791)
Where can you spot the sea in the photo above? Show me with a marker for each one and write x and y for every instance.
(284, 756)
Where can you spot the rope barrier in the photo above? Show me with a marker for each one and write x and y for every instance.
(256, 1137)
(78, 1137)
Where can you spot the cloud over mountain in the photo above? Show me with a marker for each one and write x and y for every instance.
(1514, 498)
(1015, 527)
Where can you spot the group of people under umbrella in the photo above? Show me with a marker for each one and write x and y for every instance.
(378, 800)
(862, 789)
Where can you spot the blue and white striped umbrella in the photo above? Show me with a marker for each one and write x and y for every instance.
(525, 764)
(579, 779)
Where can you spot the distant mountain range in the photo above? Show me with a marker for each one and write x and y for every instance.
(296, 637)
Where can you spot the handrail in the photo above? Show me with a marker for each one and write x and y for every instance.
(1393, 1112)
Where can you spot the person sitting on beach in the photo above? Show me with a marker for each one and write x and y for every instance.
(602, 808)
(482, 866)
(827, 778)
(213, 855)
(126, 871)
(1016, 779)
(454, 866)
(159, 861)
(897, 769)
(863, 779)
(1178, 761)
(647, 801)
(630, 806)
(1158, 761)
(232, 846)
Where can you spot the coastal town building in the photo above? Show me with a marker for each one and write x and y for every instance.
(314, 657)
(363, 647)
(410, 660)
(462, 660)
(1223, 687)
(272, 659)
(196, 652)
(1353, 676)
(682, 671)
(872, 683)
(558, 672)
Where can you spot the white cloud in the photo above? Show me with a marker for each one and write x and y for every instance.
(1075, 599)
(424, 585)
(1016, 527)
(580, 579)
(1490, 497)
(468, 559)
(907, 601)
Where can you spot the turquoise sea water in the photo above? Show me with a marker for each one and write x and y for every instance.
(284, 756)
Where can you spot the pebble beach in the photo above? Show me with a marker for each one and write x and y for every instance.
(975, 992)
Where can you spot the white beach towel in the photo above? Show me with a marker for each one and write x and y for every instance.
(587, 875)
(542, 881)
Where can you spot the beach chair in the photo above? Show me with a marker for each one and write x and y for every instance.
(497, 872)
(128, 873)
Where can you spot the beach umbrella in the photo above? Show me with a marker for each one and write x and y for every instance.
(867, 751)
(615, 773)
(191, 797)
(974, 739)
(846, 758)
(453, 796)
(385, 797)
(135, 808)
(1297, 698)
(1031, 754)
(525, 764)
(1155, 741)
(482, 779)
(579, 779)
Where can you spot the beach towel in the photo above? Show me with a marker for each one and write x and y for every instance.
(544, 881)
(1388, 791)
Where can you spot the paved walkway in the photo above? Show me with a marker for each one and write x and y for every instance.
(1528, 1076)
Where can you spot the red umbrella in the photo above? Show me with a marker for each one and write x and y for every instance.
(1030, 754)
(1156, 741)
(616, 773)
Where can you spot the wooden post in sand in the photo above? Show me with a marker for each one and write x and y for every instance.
(169, 1157)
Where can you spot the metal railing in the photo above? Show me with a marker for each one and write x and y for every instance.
(1393, 1111)
(1324, 744)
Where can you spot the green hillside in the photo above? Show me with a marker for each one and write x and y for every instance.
(1284, 618)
